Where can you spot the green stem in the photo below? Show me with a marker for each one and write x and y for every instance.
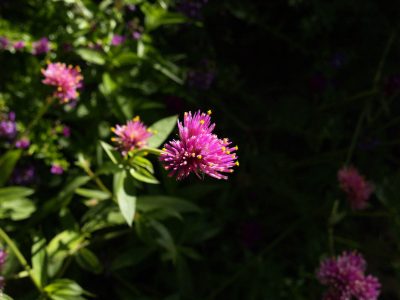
(355, 137)
(96, 179)
(39, 115)
(4, 236)
(382, 61)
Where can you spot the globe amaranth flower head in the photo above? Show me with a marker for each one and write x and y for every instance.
(3, 258)
(132, 135)
(198, 150)
(66, 79)
(346, 280)
(357, 189)
(8, 127)
(41, 46)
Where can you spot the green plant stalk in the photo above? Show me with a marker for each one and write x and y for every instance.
(4, 236)
(96, 179)
(39, 115)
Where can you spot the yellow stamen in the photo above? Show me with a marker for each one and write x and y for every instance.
(223, 149)
(209, 112)
(78, 68)
(114, 139)
(199, 156)
(228, 152)
(164, 149)
(59, 89)
(236, 147)
(237, 163)
(112, 129)
(201, 122)
(193, 154)
(137, 118)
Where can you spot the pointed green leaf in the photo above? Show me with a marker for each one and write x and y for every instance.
(161, 130)
(126, 201)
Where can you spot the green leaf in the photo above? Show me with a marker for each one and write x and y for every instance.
(125, 59)
(60, 247)
(7, 164)
(5, 297)
(14, 192)
(126, 201)
(165, 240)
(88, 261)
(93, 194)
(161, 130)
(157, 16)
(143, 175)
(91, 56)
(64, 289)
(108, 86)
(16, 209)
(111, 152)
(39, 261)
(131, 257)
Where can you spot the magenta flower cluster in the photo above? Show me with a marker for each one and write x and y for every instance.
(3, 257)
(198, 150)
(357, 189)
(132, 135)
(346, 279)
(66, 79)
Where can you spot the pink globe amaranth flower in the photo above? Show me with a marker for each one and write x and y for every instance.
(357, 189)
(198, 150)
(23, 143)
(3, 258)
(346, 279)
(132, 135)
(41, 46)
(18, 45)
(56, 169)
(117, 40)
(66, 79)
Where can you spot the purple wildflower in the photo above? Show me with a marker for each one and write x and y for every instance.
(23, 143)
(23, 175)
(66, 131)
(66, 79)
(4, 42)
(198, 150)
(117, 40)
(346, 279)
(3, 258)
(132, 135)
(8, 127)
(41, 46)
(130, 7)
(136, 35)
(56, 169)
(357, 189)
(18, 45)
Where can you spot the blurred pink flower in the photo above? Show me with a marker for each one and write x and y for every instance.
(132, 135)
(346, 279)
(18, 45)
(56, 169)
(357, 189)
(23, 143)
(41, 46)
(117, 40)
(66, 79)
(198, 150)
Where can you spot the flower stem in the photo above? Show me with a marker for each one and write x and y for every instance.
(4, 236)
(39, 115)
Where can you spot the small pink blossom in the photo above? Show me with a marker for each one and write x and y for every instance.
(18, 45)
(198, 150)
(23, 143)
(66, 131)
(56, 169)
(346, 280)
(132, 135)
(41, 46)
(66, 79)
(117, 40)
(358, 190)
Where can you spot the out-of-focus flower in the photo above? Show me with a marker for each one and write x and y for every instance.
(66, 131)
(22, 143)
(4, 42)
(135, 28)
(56, 169)
(66, 79)
(18, 45)
(136, 35)
(23, 175)
(41, 46)
(132, 135)
(357, 189)
(3, 258)
(131, 7)
(118, 40)
(191, 8)
(198, 150)
(8, 127)
(346, 279)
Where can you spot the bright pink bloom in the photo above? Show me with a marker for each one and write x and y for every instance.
(358, 190)
(117, 40)
(66, 79)
(132, 135)
(198, 150)
(18, 45)
(56, 169)
(346, 279)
